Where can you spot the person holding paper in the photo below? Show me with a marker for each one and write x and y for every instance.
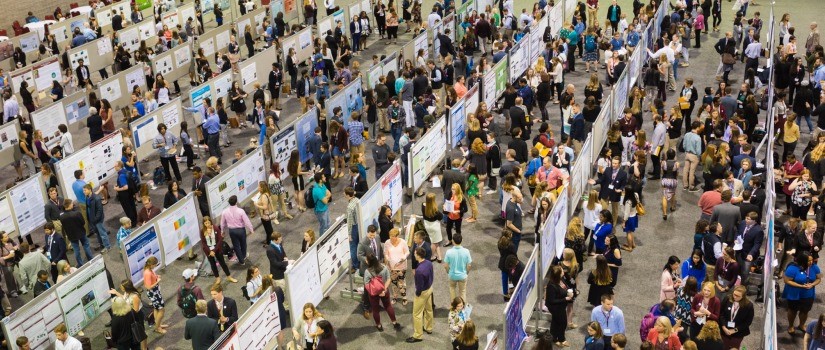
(166, 144)
(221, 308)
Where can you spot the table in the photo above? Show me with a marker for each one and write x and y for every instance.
(39, 27)
(83, 10)
(3, 38)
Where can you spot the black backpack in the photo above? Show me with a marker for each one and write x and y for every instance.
(309, 201)
(159, 176)
(186, 302)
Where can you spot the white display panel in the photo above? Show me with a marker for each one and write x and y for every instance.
(6, 218)
(48, 118)
(45, 72)
(29, 202)
(179, 229)
(427, 152)
(97, 161)
(8, 135)
(553, 232)
(35, 320)
(84, 295)
(303, 283)
(386, 191)
(333, 255)
(241, 180)
(139, 246)
(111, 90)
(260, 324)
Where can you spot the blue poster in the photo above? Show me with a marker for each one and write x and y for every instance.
(138, 248)
(304, 128)
(458, 122)
(149, 122)
(355, 99)
(513, 319)
(199, 94)
(77, 110)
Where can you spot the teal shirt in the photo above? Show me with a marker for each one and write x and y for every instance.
(399, 84)
(458, 258)
(319, 192)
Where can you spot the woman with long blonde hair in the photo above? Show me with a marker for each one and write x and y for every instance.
(574, 239)
(591, 212)
(570, 267)
(456, 213)
(267, 209)
(432, 224)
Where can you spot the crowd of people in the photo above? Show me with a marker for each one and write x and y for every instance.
(704, 299)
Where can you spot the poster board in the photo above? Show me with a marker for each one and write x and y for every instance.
(333, 254)
(303, 282)
(34, 320)
(48, 118)
(131, 36)
(213, 89)
(554, 226)
(521, 302)
(76, 107)
(91, 55)
(240, 179)
(29, 43)
(173, 64)
(427, 153)
(28, 201)
(282, 143)
(288, 7)
(179, 228)
(350, 99)
(45, 72)
(104, 15)
(386, 191)
(63, 30)
(257, 328)
(8, 142)
(325, 24)
(145, 129)
(142, 243)
(489, 90)
(6, 215)
(257, 68)
(471, 100)
(118, 88)
(96, 160)
(579, 174)
(518, 59)
(250, 18)
(301, 42)
(304, 128)
(601, 126)
(84, 295)
(536, 40)
(410, 49)
(215, 40)
(458, 123)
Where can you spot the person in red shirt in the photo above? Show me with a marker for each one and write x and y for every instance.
(711, 199)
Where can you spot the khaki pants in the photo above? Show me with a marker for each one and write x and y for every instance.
(383, 121)
(473, 206)
(439, 105)
(82, 209)
(422, 313)
(710, 273)
(614, 209)
(591, 16)
(577, 146)
(303, 101)
(689, 175)
(360, 149)
(281, 283)
(462, 289)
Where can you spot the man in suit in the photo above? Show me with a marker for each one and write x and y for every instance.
(202, 330)
(220, 308)
(749, 238)
(735, 186)
(370, 244)
(419, 242)
(745, 206)
(55, 248)
(518, 118)
(358, 183)
(75, 228)
(84, 77)
(446, 45)
(727, 215)
(452, 176)
(277, 258)
(612, 183)
(199, 181)
(117, 21)
(274, 84)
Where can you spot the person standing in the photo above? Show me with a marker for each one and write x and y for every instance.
(125, 193)
(376, 270)
(148, 212)
(151, 281)
(735, 317)
(166, 144)
(55, 247)
(422, 304)
(73, 226)
(513, 214)
(457, 263)
(321, 196)
(94, 211)
(612, 184)
(455, 214)
(199, 181)
(556, 300)
(278, 261)
(212, 245)
(65, 341)
(609, 317)
(235, 221)
(202, 330)
(221, 308)
(32, 263)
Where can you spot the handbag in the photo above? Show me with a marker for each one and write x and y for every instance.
(684, 103)
(640, 209)
(728, 58)
(138, 330)
(375, 287)
(286, 88)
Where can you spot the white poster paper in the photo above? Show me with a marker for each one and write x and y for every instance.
(110, 90)
(139, 246)
(304, 282)
(249, 74)
(163, 65)
(84, 295)
(146, 30)
(104, 47)
(260, 323)
(135, 77)
(179, 229)
(130, 39)
(28, 201)
(208, 46)
(222, 41)
(8, 135)
(6, 220)
(45, 73)
(183, 56)
(36, 320)
(46, 119)
(74, 57)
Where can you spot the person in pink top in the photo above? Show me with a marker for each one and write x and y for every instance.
(396, 252)
(235, 221)
(550, 174)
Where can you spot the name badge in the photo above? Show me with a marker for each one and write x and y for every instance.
(731, 325)
(607, 331)
(610, 187)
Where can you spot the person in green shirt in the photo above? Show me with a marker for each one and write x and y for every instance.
(472, 192)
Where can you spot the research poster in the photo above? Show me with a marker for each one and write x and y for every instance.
(48, 118)
(260, 324)
(139, 246)
(471, 100)
(77, 109)
(84, 295)
(8, 135)
(45, 73)
(304, 282)
(6, 219)
(333, 255)
(428, 152)
(179, 229)
(304, 129)
(386, 191)
(519, 301)
(282, 145)
(28, 202)
(241, 180)
(501, 76)
(110, 90)
(517, 60)
(35, 320)
(458, 123)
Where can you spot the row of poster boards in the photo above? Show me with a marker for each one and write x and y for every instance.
(213, 89)
(69, 111)
(240, 179)
(458, 115)
(387, 65)
(256, 329)
(349, 99)
(311, 277)
(291, 137)
(145, 129)
(76, 301)
(167, 237)
(256, 69)
(38, 75)
(97, 161)
(117, 89)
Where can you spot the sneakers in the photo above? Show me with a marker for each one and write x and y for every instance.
(490, 192)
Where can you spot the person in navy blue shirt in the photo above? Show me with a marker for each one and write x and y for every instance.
(55, 248)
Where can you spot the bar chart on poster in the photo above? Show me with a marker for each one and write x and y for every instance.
(179, 228)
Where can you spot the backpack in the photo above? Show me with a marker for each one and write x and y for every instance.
(308, 200)
(647, 323)
(245, 293)
(513, 22)
(132, 181)
(590, 43)
(159, 177)
(186, 302)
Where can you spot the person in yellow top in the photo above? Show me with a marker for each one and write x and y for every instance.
(791, 136)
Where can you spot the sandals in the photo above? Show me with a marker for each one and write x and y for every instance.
(160, 331)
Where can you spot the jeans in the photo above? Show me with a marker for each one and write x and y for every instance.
(356, 42)
(262, 134)
(505, 282)
(238, 236)
(76, 246)
(807, 119)
(102, 235)
(516, 240)
(323, 221)
(353, 247)
(396, 137)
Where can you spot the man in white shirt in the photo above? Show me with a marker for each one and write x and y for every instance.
(64, 341)
(66, 142)
(433, 18)
(330, 5)
(526, 17)
(667, 50)
(508, 5)
(11, 109)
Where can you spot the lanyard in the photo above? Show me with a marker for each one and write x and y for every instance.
(734, 310)
(607, 318)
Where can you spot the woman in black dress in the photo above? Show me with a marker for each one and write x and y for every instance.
(555, 299)
(600, 281)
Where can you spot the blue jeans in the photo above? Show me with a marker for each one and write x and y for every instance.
(505, 281)
(807, 119)
(262, 134)
(676, 69)
(353, 247)
(76, 246)
(102, 235)
(238, 236)
(396, 137)
(323, 221)
(356, 41)
(516, 240)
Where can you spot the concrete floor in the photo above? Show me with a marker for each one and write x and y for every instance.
(638, 278)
